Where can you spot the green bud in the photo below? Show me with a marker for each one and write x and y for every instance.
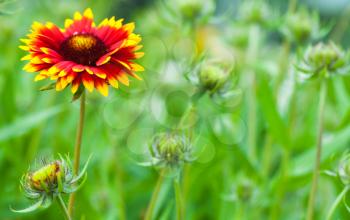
(170, 150)
(324, 58)
(255, 12)
(324, 55)
(244, 191)
(193, 9)
(300, 25)
(213, 77)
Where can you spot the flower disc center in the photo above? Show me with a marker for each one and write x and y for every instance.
(84, 49)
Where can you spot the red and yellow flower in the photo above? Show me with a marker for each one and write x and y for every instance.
(83, 53)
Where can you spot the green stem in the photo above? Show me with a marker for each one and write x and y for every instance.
(253, 48)
(152, 203)
(240, 211)
(292, 5)
(179, 200)
(266, 157)
(322, 101)
(77, 149)
(336, 202)
(63, 207)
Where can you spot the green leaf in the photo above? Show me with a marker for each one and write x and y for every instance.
(77, 95)
(269, 109)
(24, 124)
(304, 163)
(31, 208)
(82, 172)
(48, 87)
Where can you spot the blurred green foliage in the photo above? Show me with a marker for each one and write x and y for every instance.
(254, 145)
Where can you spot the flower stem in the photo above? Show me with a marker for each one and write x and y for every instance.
(251, 57)
(63, 207)
(77, 148)
(311, 202)
(178, 199)
(336, 202)
(152, 203)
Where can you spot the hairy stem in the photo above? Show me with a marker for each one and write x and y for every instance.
(63, 207)
(77, 149)
(322, 101)
(152, 203)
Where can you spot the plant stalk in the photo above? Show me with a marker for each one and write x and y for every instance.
(63, 207)
(179, 200)
(251, 57)
(77, 149)
(322, 101)
(152, 203)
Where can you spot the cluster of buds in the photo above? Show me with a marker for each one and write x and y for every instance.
(324, 60)
(170, 151)
(301, 26)
(49, 181)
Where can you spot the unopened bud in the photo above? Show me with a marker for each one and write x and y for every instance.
(170, 150)
(324, 58)
(213, 77)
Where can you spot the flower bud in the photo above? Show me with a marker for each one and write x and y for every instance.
(170, 150)
(49, 181)
(254, 12)
(194, 9)
(323, 55)
(213, 77)
(244, 191)
(46, 177)
(324, 58)
(301, 26)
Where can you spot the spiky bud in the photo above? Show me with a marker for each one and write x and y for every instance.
(301, 26)
(50, 180)
(47, 177)
(213, 77)
(170, 150)
(324, 60)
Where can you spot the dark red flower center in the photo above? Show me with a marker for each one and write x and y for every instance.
(84, 49)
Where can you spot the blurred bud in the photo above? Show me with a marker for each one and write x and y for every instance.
(344, 170)
(254, 12)
(213, 76)
(244, 191)
(301, 26)
(50, 180)
(191, 10)
(170, 150)
(324, 59)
